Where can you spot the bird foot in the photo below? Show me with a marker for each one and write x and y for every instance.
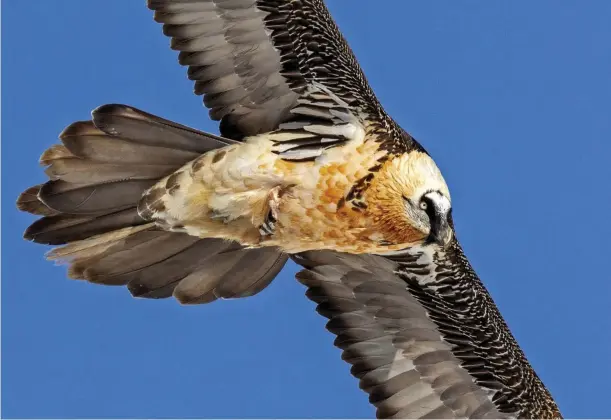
(269, 224)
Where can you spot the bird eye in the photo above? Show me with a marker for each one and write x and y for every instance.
(424, 205)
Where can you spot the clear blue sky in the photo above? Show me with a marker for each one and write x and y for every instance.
(512, 99)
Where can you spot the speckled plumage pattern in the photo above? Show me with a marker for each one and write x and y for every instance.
(225, 193)
(423, 336)
(308, 165)
(446, 285)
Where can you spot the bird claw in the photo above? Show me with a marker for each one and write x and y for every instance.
(269, 224)
(267, 228)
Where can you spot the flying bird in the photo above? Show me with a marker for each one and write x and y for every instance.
(307, 166)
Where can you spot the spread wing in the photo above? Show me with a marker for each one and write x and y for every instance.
(424, 336)
(269, 65)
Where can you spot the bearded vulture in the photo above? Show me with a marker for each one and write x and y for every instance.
(307, 166)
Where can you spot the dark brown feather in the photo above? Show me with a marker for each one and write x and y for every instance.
(64, 228)
(102, 170)
(81, 171)
(103, 198)
(251, 60)
(28, 201)
(86, 141)
(423, 335)
(394, 348)
(144, 128)
(158, 264)
(98, 176)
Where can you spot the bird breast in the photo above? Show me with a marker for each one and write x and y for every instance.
(324, 204)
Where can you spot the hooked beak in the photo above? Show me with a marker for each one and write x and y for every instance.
(440, 215)
(441, 230)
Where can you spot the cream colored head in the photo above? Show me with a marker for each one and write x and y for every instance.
(410, 201)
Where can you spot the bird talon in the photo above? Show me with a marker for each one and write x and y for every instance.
(269, 225)
(267, 228)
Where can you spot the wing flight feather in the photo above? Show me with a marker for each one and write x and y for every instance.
(423, 336)
(253, 60)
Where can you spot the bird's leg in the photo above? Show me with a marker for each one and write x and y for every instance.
(273, 203)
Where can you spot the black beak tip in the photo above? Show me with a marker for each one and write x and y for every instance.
(443, 239)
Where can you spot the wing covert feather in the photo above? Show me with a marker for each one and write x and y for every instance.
(423, 335)
(396, 351)
(252, 60)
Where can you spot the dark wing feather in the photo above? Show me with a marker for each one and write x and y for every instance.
(231, 60)
(253, 60)
(424, 337)
(158, 264)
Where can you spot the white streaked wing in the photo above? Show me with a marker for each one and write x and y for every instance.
(395, 349)
(251, 60)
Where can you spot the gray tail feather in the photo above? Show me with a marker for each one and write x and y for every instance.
(96, 178)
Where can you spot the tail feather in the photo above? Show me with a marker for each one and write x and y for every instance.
(96, 178)
(96, 245)
(102, 168)
(145, 128)
(64, 228)
(94, 199)
(55, 152)
(86, 141)
(28, 202)
(80, 171)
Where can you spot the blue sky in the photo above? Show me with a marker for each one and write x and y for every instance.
(512, 99)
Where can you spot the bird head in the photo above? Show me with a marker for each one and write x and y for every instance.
(410, 201)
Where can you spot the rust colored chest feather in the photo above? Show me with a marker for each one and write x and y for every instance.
(354, 206)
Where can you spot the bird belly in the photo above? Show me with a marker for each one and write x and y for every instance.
(226, 194)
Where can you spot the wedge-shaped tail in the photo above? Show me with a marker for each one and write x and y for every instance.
(97, 175)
